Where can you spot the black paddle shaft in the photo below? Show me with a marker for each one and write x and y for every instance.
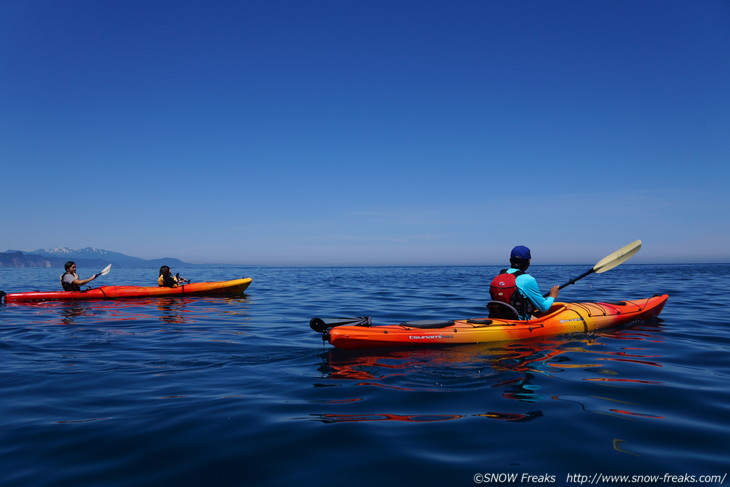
(572, 281)
(575, 279)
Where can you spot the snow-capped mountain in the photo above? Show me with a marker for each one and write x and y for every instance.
(87, 253)
(88, 256)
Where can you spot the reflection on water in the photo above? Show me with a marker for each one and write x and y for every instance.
(97, 391)
(414, 418)
(100, 321)
(71, 312)
(513, 368)
(131, 311)
(172, 311)
(425, 418)
(480, 359)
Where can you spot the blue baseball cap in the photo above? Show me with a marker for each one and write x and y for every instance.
(520, 252)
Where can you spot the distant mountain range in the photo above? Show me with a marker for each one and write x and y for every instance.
(88, 257)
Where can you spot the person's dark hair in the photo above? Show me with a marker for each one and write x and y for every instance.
(68, 264)
(164, 270)
(518, 263)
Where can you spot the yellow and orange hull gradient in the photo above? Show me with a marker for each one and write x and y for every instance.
(561, 318)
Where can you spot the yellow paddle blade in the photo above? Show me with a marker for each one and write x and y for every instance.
(619, 257)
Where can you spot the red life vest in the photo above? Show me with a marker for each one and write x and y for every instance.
(504, 288)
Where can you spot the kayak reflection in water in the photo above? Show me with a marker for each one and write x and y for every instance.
(166, 278)
(70, 280)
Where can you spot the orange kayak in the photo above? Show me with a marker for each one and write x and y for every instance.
(561, 318)
(233, 287)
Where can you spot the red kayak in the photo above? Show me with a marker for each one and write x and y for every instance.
(216, 288)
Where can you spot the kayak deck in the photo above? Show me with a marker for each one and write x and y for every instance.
(561, 318)
(225, 288)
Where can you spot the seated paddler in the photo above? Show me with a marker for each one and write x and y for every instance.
(517, 288)
(166, 278)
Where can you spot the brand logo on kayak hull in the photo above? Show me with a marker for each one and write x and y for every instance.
(429, 337)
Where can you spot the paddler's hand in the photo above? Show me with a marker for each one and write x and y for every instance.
(554, 292)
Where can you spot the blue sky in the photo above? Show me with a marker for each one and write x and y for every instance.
(338, 132)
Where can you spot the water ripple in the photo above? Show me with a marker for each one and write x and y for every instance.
(240, 391)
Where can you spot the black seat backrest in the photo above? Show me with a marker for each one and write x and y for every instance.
(502, 311)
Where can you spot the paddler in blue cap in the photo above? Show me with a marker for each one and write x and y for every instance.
(515, 287)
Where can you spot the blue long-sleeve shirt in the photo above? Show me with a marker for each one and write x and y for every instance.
(527, 285)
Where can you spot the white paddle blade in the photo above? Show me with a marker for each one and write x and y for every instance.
(619, 257)
(106, 270)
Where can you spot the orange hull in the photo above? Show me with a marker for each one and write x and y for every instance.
(562, 318)
(233, 287)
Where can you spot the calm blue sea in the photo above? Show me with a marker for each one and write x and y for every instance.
(241, 392)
